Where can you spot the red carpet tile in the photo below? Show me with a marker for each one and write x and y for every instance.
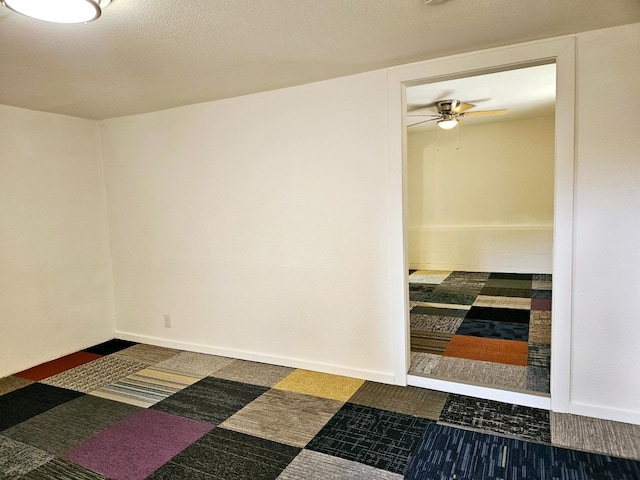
(60, 365)
(511, 352)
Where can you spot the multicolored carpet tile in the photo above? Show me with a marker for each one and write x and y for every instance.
(220, 418)
(498, 323)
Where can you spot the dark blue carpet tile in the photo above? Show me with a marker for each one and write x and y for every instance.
(210, 400)
(502, 418)
(109, 347)
(546, 294)
(499, 314)
(447, 453)
(494, 329)
(228, 455)
(32, 400)
(371, 436)
(511, 276)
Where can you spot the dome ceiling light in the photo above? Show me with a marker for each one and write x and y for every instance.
(58, 11)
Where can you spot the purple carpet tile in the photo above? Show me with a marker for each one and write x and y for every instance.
(138, 445)
(540, 304)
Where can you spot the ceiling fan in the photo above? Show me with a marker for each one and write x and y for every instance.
(450, 112)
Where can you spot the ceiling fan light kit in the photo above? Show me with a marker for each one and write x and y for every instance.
(58, 11)
(448, 124)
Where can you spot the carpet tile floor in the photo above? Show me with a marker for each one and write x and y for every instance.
(226, 419)
(499, 323)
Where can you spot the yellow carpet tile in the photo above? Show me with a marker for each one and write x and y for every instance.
(325, 385)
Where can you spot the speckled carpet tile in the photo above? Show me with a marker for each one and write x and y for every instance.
(226, 419)
(496, 318)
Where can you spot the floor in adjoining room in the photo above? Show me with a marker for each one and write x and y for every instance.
(489, 329)
(129, 411)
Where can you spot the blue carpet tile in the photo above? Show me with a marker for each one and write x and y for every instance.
(494, 329)
(368, 435)
(447, 453)
(546, 294)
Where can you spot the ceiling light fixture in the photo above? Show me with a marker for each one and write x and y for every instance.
(448, 123)
(58, 11)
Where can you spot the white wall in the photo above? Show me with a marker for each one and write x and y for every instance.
(55, 278)
(487, 205)
(259, 224)
(606, 322)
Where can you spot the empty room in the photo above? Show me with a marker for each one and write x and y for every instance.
(216, 225)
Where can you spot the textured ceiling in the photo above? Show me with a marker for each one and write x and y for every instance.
(144, 55)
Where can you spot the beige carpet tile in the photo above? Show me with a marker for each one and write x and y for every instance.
(503, 302)
(434, 323)
(325, 385)
(310, 465)
(11, 383)
(147, 387)
(540, 317)
(596, 435)
(415, 401)
(286, 417)
(147, 354)
(480, 372)
(423, 363)
(253, 372)
(412, 303)
(429, 276)
(197, 364)
(93, 375)
(539, 333)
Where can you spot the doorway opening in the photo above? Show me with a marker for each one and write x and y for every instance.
(561, 52)
(480, 227)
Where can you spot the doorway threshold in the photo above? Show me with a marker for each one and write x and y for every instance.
(527, 399)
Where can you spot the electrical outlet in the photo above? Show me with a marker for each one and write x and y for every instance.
(167, 321)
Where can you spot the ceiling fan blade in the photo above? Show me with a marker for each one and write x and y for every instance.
(463, 107)
(424, 121)
(422, 115)
(483, 113)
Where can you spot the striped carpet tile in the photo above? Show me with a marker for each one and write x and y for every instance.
(147, 387)
(61, 469)
(17, 458)
(310, 465)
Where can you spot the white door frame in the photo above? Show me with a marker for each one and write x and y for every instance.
(562, 51)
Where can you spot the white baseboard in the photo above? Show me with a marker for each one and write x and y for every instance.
(259, 357)
(517, 398)
(605, 413)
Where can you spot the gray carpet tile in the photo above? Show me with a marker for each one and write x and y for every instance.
(147, 354)
(508, 283)
(374, 437)
(433, 323)
(310, 465)
(539, 355)
(419, 402)
(61, 470)
(423, 363)
(11, 383)
(285, 417)
(210, 400)
(94, 375)
(228, 455)
(193, 363)
(67, 425)
(29, 401)
(596, 435)
(253, 372)
(482, 373)
(538, 379)
(17, 458)
(496, 417)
